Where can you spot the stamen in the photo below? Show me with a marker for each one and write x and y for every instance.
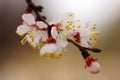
(20, 34)
(70, 23)
(63, 38)
(62, 20)
(68, 34)
(78, 20)
(94, 26)
(53, 56)
(74, 39)
(79, 26)
(70, 14)
(23, 41)
(67, 28)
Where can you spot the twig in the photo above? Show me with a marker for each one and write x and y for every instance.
(96, 50)
(32, 5)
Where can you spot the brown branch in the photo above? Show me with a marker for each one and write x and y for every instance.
(36, 9)
(96, 50)
(32, 6)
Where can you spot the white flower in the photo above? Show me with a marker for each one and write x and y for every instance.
(54, 50)
(34, 30)
(92, 65)
(88, 38)
(22, 29)
(61, 30)
(64, 26)
(51, 50)
(62, 42)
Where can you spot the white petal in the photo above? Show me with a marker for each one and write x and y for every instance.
(94, 67)
(61, 43)
(22, 29)
(56, 19)
(84, 42)
(77, 25)
(44, 35)
(85, 25)
(69, 16)
(37, 38)
(59, 51)
(48, 48)
(41, 24)
(28, 18)
(28, 39)
(54, 32)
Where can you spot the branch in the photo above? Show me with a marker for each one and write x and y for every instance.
(96, 50)
(36, 9)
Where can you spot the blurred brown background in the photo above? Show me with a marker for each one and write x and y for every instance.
(24, 63)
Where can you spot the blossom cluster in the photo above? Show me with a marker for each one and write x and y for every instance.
(64, 27)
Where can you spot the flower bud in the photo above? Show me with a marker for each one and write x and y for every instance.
(92, 65)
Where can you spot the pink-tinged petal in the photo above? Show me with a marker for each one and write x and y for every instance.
(92, 66)
(76, 35)
(22, 29)
(61, 43)
(28, 19)
(48, 48)
(41, 24)
(54, 32)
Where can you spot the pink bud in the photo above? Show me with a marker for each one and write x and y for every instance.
(92, 65)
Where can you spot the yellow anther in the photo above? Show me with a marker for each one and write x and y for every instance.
(93, 37)
(74, 39)
(67, 28)
(78, 20)
(92, 44)
(38, 47)
(46, 55)
(68, 34)
(21, 35)
(63, 38)
(30, 43)
(70, 14)
(79, 26)
(62, 20)
(53, 56)
(96, 33)
(34, 47)
(68, 21)
(23, 41)
(74, 30)
(94, 26)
